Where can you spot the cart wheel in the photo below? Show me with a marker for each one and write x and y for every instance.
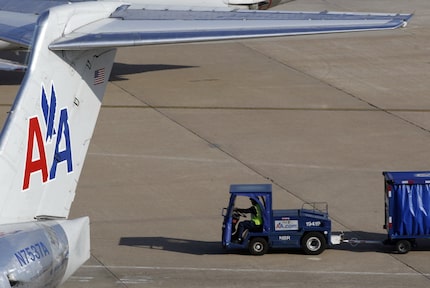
(258, 246)
(403, 246)
(313, 243)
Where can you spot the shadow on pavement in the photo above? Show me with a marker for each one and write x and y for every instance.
(174, 245)
(360, 242)
(119, 70)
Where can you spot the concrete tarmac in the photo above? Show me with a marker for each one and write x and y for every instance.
(319, 117)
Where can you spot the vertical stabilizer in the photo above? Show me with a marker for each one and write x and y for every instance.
(46, 136)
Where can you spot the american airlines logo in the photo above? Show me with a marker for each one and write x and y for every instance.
(57, 133)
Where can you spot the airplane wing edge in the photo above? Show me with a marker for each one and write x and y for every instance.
(144, 27)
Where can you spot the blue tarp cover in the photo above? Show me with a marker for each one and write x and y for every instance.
(415, 177)
(409, 204)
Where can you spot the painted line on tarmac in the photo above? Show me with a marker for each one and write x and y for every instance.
(208, 160)
(247, 270)
(313, 166)
(251, 108)
(83, 279)
(170, 158)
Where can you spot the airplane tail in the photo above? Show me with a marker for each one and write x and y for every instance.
(48, 130)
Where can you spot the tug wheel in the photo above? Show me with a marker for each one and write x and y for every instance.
(258, 246)
(313, 243)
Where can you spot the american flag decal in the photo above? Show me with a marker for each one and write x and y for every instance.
(99, 76)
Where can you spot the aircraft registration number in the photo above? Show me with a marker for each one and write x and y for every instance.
(31, 253)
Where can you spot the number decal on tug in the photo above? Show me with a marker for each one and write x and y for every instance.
(36, 160)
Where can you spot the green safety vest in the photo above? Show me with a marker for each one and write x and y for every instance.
(257, 219)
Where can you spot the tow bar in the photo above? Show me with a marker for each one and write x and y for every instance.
(339, 239)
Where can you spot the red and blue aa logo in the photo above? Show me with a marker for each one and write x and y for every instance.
(57, 132)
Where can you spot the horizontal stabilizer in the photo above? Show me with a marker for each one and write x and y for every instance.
(130, 27)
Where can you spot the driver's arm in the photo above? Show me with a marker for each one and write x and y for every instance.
(249, 210)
